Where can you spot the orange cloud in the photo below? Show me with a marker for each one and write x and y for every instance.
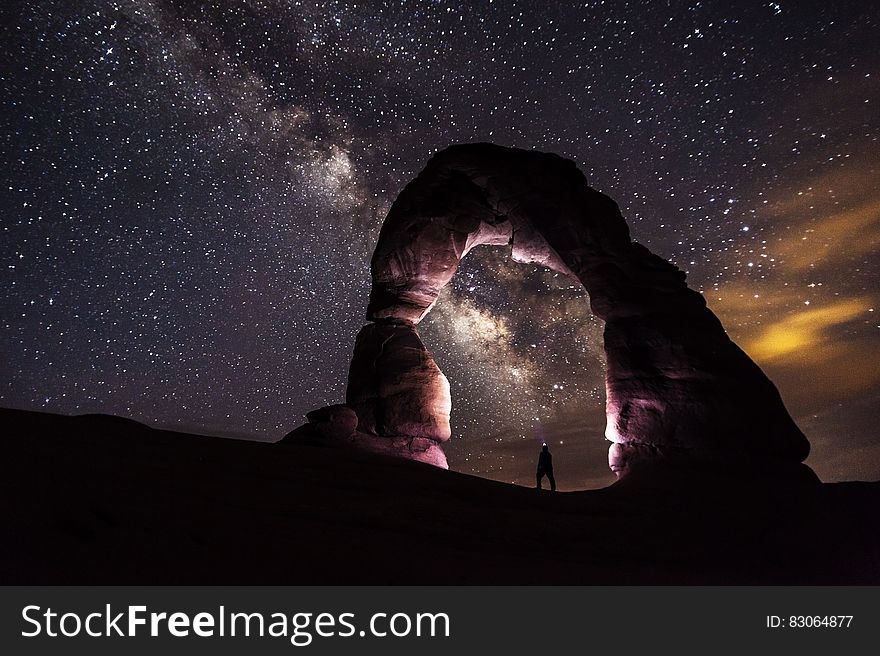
(802, 334)
(852, 232)
(833, 216)
(806, 315)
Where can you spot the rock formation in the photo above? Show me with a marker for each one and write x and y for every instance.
(337, 426)
(678, 389)
(394, 385)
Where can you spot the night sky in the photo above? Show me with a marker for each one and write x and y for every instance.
(192, 191)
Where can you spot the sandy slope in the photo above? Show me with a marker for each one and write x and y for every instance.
(98, 499)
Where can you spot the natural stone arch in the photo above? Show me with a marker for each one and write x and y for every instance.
(677, 387)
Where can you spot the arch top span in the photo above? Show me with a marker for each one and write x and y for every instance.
(677, 388)
(472, 194)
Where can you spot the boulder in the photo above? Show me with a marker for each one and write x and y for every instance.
(334, 422)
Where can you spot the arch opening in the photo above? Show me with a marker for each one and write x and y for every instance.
(523, 354)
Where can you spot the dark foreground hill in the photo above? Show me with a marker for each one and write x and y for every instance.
(101, 500)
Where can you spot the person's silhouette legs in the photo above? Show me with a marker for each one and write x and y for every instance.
(539, 478)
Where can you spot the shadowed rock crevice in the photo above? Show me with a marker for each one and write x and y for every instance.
(677, 387)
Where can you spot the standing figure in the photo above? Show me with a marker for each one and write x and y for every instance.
(545, 467)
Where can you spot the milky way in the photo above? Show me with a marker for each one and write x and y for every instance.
(192, 193)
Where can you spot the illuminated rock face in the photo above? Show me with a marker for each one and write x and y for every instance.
(337, 426)
(395, 387)
(677, 387)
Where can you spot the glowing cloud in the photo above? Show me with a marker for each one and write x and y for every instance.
(806, 329)
(854, 231)
(831, 215)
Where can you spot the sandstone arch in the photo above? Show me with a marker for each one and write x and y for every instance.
(677, 387)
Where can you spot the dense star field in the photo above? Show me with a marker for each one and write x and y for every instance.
(192, 191)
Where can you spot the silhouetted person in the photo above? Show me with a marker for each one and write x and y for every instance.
(545, 468)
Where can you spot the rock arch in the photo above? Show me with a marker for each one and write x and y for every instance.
(678, 389)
